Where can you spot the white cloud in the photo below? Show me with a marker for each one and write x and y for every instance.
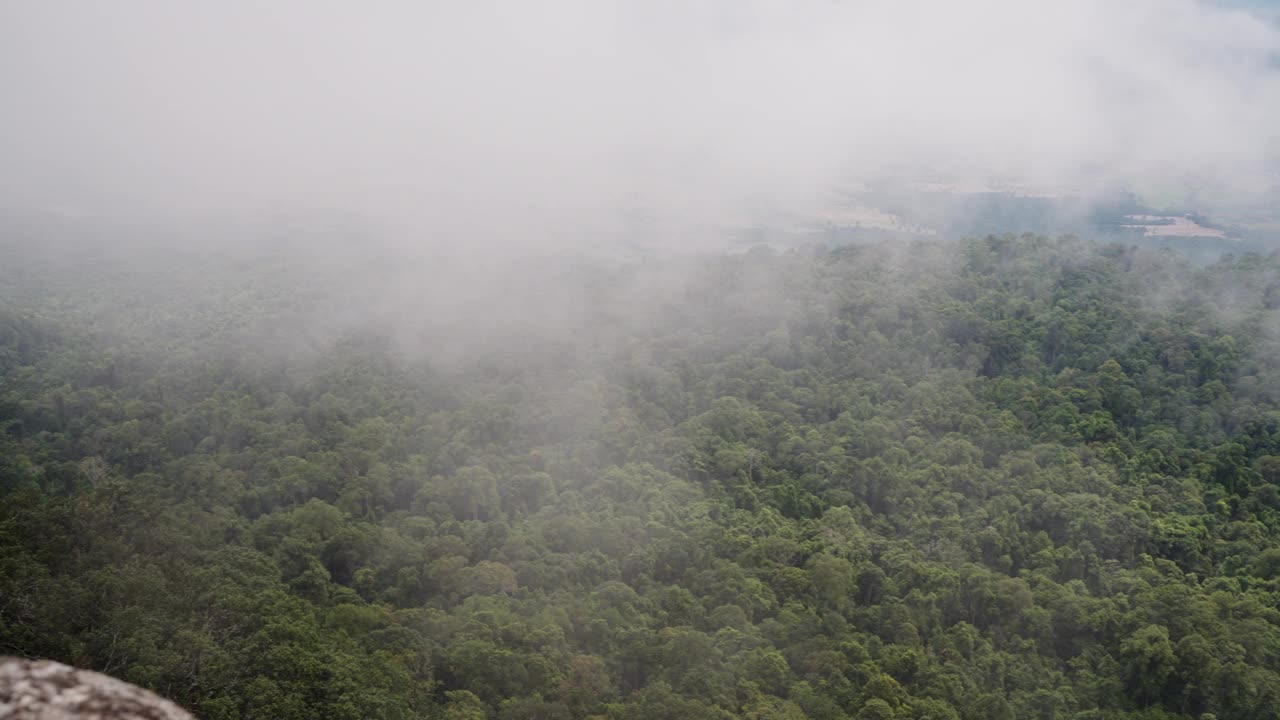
(521, 120)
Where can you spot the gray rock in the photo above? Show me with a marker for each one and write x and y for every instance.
(46, 690)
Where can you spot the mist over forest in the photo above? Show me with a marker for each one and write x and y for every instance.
(624, 360)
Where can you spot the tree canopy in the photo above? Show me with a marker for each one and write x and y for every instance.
(1010, 477)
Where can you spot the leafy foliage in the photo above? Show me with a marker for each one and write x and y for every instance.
(1011, 477)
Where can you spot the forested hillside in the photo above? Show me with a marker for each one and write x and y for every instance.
(1012, 477)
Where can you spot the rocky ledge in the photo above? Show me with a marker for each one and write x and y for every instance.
(46, 690)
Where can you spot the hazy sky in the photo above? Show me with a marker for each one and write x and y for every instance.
(492, 117)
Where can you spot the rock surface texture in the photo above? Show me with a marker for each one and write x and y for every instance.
(46, 690)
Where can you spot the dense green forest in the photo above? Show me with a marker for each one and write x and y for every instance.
(1011, 477)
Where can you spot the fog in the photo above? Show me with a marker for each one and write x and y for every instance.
(648, 358)
(468, 125)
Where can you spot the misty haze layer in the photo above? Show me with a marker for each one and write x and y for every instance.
(499, 124)
(389, 360)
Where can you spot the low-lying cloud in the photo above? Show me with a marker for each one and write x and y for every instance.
(526, 122)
